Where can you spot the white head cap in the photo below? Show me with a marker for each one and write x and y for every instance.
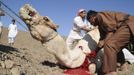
(81, 10)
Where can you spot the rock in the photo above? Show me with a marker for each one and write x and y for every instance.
(4, 72)
(2, 64)
(15, 71)
(9, 64)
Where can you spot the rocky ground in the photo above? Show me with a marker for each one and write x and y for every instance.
(29, 57)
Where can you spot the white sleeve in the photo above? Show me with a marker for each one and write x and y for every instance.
(1, 24)
(79, 22)
(9, 27)
(16, 28)
(89, 25)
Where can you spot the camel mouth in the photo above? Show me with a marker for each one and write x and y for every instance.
(27, 12)
(31, 13)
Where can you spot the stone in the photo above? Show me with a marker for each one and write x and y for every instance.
(15, 71)
(9, 64)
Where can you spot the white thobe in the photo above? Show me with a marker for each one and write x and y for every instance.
(75, 33)
(128, 56)
(12, 30)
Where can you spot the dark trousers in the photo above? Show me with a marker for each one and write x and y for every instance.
(120, 57)
(113, 45)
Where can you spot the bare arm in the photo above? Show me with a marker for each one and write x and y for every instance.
(85, 28)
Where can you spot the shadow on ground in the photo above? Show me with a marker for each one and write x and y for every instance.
(51, 64)
(7, 49)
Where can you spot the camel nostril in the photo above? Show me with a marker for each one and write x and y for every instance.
(81, 47)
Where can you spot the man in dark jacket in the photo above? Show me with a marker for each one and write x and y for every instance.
(116, 31)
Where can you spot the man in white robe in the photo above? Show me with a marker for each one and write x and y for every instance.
(79, 24)
(12, 33)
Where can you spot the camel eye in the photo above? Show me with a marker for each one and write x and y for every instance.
(46, 19)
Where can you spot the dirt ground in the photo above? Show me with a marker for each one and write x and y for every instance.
(29, 57)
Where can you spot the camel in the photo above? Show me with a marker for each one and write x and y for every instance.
(43, 29)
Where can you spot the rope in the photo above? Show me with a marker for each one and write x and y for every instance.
(10, 9)
(14, 18)
(13, 13)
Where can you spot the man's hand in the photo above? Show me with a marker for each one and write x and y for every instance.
(92, 54)
(101, 43)
(85, 28)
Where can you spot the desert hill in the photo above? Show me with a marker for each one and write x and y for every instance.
(26, 57)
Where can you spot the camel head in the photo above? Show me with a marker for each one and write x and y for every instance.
(41, 28)
(26, 13)
(31, 17)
